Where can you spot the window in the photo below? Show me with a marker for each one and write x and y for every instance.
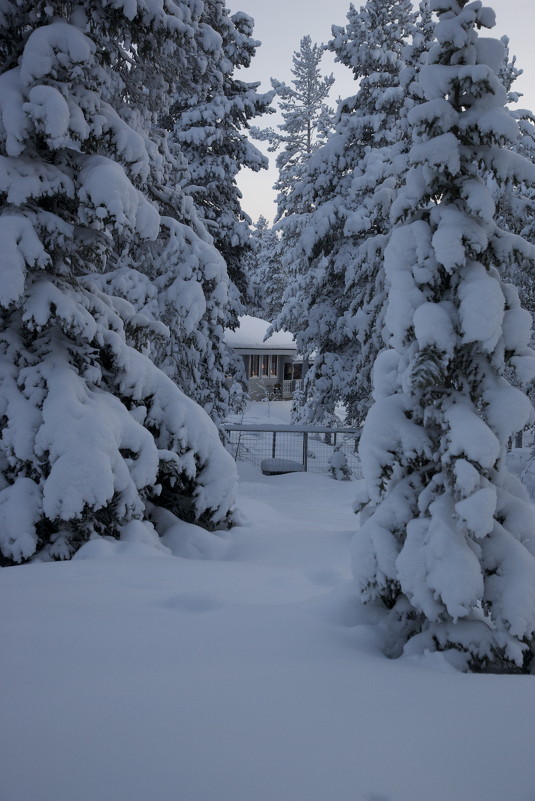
(263, 365)
(292, 372)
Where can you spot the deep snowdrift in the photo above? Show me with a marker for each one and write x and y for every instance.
(129, 674)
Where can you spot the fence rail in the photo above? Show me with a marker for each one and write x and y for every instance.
(309, 448)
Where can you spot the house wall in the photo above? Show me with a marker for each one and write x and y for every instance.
(258, 387)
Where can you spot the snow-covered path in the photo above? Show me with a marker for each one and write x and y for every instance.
(131, 675)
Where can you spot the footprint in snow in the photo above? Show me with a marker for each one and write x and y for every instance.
(194, 601)
(324, 576)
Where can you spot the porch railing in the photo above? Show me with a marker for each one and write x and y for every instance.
(289, 387)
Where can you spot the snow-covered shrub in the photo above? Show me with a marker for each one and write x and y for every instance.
(93, 433)
(338, 466)
(521, 462)
(447, 545)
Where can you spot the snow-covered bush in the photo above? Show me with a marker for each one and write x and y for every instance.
(521, 462)
(92, 432)
(338, 466)
(447, 545)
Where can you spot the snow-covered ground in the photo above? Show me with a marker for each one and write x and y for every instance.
(239, 672)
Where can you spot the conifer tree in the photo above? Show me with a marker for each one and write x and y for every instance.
(205, 110)
(515, 201)
(334, 302)
(306, 120)
(447, 545)
(94, 436)
(211, 133)
(266, 273)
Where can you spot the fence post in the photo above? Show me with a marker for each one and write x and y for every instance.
(305, 450)
(273, 445)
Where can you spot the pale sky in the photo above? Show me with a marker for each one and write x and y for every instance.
(280, 25)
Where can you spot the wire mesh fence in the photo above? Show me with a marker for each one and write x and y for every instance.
(293, 448)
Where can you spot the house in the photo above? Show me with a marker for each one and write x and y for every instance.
(272, 367)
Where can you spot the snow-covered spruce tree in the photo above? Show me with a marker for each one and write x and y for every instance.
(93, 435)
(210, 130)
(178, 285)
(198, 301)
(515, 201)
(307, 120)
(447, 542)
(267, 276)
(334, 302)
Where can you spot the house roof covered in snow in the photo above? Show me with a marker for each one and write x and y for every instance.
(249, 336)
